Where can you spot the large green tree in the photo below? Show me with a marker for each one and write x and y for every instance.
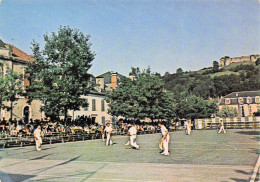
(59, 75)
(194, 107)
(227, 112)
(10, 87)
(142, 97)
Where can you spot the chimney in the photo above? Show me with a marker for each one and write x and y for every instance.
(114, 80)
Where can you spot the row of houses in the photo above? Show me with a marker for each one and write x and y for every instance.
(246, 102)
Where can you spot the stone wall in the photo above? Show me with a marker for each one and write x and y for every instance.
(225, 61)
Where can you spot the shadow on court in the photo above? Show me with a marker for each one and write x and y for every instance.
(60, 164)
(239, 180)
(5, 177)
(249, 132)
(244, 173)
(41, 157)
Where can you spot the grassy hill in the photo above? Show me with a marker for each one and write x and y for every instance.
(227, 70)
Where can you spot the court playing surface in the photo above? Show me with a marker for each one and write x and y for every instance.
(203, 156)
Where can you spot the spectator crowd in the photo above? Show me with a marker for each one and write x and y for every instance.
(80, 124)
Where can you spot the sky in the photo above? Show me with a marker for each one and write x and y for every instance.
(164, 35)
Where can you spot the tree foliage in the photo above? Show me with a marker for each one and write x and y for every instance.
(194, 107)
(59, 75)
(227, 112)
(215, 66)
(10, 87)
(143, 97)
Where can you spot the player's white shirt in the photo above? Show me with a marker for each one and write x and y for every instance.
(132, 130)
(37, 133)
(108, 129)
(163, 130)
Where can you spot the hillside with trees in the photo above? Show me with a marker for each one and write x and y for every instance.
(214, 82)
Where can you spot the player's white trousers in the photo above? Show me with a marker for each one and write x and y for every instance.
(166, 144)
(133, 142)
(189, 130)
(222, 128)
(109, 141)
(38, 143)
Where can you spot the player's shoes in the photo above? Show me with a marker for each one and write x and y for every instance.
(128, 143)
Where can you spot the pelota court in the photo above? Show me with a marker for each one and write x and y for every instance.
(203, 156)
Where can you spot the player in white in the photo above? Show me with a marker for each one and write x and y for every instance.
(165, 138)
(108, 131)
(132, 132)
(221, 127)
(188, 127)
(37, 136)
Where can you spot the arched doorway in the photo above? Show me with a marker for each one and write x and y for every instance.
(26, 113)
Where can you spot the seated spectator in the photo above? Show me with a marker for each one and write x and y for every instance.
(13, 129)
(31, 127)
(19, 127)
(26, 130)
(86, 129)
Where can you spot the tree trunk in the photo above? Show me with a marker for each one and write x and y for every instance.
(65, 114)
(0, 110)
(11, 111)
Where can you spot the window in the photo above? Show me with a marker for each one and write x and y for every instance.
(102, 105)
(241, 100)
(250, 110)
(248, 100)
(26, 79)
(257, 99)
(93, 104)
(227, 101)
(85, 106)
(103, 120)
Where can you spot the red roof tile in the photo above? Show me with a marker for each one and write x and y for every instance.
(19, 54)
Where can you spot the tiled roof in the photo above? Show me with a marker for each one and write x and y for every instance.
(107, 76)
(236, 95)
(2, 44)
(16, 53)
(19, 54)
(243, 94)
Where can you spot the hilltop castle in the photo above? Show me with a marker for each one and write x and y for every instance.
(225, 61)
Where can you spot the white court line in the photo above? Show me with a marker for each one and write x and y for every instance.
(105, 147)
(213, 143)
(115, 179)
(252, 179)
(135, 163)
(231, 146)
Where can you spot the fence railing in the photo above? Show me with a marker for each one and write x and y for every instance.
(236, 122)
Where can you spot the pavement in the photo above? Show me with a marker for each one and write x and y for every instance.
(203, 156)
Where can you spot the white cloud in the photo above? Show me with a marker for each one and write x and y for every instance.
(0, 2)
